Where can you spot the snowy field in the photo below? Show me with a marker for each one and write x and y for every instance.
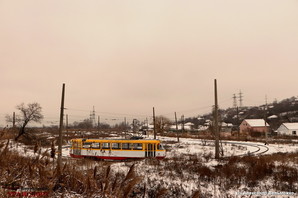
(188, 146)
(157, 174)
(169, 173)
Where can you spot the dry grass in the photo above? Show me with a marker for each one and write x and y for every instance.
(167, 178)
(40, 172)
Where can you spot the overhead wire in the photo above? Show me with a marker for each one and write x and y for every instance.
(114, 116)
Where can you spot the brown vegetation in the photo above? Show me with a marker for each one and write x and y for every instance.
(147, 178)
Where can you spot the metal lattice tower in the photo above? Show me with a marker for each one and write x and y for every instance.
(234, 101)
(240, 99)
(92, 116)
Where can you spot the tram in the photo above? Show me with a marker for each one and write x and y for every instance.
(117, 149)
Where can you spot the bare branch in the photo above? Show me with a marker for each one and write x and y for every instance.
(31, 112)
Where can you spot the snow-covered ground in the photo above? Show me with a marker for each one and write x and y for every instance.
(230, 148)
(191, 146)
(156, 175)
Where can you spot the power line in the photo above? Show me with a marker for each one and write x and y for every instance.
(109, 113)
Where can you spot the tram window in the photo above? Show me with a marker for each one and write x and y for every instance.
(115, 145)
(137, 146)
(126, 146)
(95, 145)
(87, 144)
(105, 145)
(160, 147)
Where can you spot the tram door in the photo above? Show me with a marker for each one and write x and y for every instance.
(77, 148)
(150, 150)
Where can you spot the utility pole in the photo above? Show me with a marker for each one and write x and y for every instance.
(125, 128)
(98, 124)
(60, 132)
(176, 127)
(147, 126)
(67, 125)
(216, 122)
(154, 130)
(238, 127)
(182, 122)
(14, 120)
(161, 125)
(134, 127)
(265, 116)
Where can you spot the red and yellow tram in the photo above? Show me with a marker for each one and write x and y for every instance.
(116, 149)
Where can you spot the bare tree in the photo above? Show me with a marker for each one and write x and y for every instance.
(162, 124)
(29, 113)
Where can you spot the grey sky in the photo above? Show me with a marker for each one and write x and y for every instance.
(124, 57)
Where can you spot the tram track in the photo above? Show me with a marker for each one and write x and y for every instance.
(260, 149)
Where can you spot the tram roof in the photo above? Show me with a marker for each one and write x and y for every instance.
(131, 140)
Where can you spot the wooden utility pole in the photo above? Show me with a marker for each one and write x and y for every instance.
(176, 127)
(216, 122)
(60, 132)
(125, 128)
(265, 117)
(238, 127)
(66, 125)
(182, 122)
(14, 120)
(154, 130)
(134, 127)
(98, 125)
(147, 126)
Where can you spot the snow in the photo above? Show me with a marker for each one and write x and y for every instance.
(273, 117)
(256, 122)
(187, 147)
(291, 126)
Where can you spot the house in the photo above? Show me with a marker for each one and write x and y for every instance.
(226, 127)
(254, 125)
(288, 129)
(187, 127)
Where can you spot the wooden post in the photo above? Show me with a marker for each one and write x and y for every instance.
(176, 127)
(216, 122)
(147, 124)
(60, 132)
(14, 120)
(125, 133)
(66, 125)
(154, 130)
(265, 117)
(182, 124)
(134, 127)
(238, 127)
(98, 125)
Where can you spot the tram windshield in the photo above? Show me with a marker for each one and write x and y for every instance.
(160, 147)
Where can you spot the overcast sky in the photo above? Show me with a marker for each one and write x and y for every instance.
(126, 56)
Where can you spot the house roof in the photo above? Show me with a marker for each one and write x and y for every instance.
(188, 124)
(173, 127)
(273, 117)
(226, 124)
(291, 126)
(256, 122)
